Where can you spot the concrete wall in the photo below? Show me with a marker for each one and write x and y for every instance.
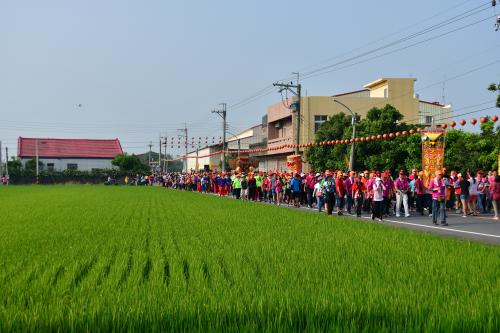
(60, 164)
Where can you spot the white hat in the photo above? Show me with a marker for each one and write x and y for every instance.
(378, 179)
(318, 174)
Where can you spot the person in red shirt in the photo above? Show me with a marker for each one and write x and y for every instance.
(340, 191)
(309, 187)
(358, 191)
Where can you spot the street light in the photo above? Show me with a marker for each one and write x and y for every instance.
(239, 146)
(353, 122)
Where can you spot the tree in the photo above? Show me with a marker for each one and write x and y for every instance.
(130, 164)
(14, 166)
(495, 87)
(31, 165)
(471, 151)
(174, 166)
(399, 153)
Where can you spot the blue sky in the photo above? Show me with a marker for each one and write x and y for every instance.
(143, 68)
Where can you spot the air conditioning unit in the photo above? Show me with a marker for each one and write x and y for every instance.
(278, 125)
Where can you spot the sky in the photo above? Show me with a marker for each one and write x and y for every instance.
(137, 70)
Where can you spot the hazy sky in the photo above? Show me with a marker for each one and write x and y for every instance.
(141, 68)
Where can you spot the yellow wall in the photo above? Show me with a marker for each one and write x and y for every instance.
(400, 95)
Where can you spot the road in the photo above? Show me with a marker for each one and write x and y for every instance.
(482, 228)
(479, 228)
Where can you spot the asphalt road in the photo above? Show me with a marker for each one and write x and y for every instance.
(481, 228)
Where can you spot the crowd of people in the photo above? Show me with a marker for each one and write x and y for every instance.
(378, 193)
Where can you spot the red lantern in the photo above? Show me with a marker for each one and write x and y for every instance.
(494, 118)
(373, 138)
(384, 136)
(379, 137)
(419, 129)
(362, 139)
(473, 121)
(483, 120)
(463, 122)
(398, 134)
(412, 131)
(404, 133)
(391, 135)
(444, 126)
(367, 139)
(356, 140)
(453, 124)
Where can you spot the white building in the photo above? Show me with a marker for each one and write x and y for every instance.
(73, 154)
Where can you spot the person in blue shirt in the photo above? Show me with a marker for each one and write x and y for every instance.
(295, 183)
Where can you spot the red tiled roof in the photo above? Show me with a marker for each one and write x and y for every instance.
(68, 148)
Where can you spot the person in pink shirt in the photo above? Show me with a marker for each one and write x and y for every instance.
(348, 187)
(388, 187)
(402, 188)
(419, 190)
(495, 195)
(369, 191)
(266, 187)
(438, 188)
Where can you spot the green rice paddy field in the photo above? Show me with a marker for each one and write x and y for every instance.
(95, 258)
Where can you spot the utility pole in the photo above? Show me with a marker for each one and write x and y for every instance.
(149, 156)
(36, 150)
(1, 166)
(295, 107)
(222, 113)
(7, 164)
(185, 136)
(165, 163)
(196, 166)
(159, 154)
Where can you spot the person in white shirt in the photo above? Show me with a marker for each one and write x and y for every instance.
(378, 198)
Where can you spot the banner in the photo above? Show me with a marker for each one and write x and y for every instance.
(432, 153)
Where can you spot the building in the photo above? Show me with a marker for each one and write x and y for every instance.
(69, 154)
(398, 92)
(247, 139)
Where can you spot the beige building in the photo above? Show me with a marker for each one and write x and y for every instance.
(398, 92)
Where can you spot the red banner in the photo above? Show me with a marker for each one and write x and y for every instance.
(432, 152)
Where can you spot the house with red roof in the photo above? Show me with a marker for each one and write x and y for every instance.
(73, 154)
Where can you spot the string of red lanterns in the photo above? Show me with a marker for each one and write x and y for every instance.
(384, 136)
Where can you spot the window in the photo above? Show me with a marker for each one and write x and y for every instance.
(50, 166)
(386, 93)
(428, 119)
(72, 166)
(318, 120)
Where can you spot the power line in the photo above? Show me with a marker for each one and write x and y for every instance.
(398, 49)
(320, 71)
